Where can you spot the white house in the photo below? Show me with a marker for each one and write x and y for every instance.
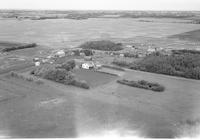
(37, 64)
(87, 65)
(36, 59)
(150, 50)
(121, 55)
(60, 53)
(128, 46)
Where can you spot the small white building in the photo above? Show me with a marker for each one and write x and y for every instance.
(128, 46)
(49, 57)
(82, 54)
(60, 53)
(45, 60)
(88, 65)
(36, 59)
(37, 64)
(150, 50)
(121, 55)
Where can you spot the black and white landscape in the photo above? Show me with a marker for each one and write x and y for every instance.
(99, 73)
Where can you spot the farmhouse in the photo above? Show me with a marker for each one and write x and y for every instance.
(60, 53)
(121, 55)
(37, 64)
(128, 46)
(150, 50)
(36, 59)
(88, 65)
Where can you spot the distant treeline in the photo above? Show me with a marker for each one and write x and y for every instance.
(19, 47)
(182, 63)
(104, 45)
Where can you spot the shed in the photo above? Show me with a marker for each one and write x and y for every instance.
(88, 65)
(60, 53)
(37, 64)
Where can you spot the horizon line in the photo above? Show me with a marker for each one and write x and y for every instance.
(24, 9)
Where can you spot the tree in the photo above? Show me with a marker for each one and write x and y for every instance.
(69, 65)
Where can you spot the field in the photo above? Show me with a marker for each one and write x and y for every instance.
(48, 110)
(94, 78)
(51, 110)
(191, 35)
(65, 32)
(160, 114)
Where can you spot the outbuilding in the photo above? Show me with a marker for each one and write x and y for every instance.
(60, 53)
(37, 64)
(88, 65)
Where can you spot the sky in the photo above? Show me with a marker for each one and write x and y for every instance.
(184, 5)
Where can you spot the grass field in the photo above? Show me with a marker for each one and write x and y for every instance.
(191, 35)
(56, 110)
(179, 102)
(94, 78)
(65, 32)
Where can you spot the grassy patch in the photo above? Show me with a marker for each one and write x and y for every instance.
(94, 78)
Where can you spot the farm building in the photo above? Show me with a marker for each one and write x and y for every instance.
(128, 46)
(88, 65)
(60, 53)
(150, 50)
(121, 55)
(36, 59)
(37, 64)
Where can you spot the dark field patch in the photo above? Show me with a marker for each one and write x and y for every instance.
(191, 35)
(94, 78)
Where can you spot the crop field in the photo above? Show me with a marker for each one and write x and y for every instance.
(65, 32)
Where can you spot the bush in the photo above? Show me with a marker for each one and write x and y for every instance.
(130, 55)
(30, 79)
(76, 52)
(143, 84)
(69, 65)
(26, 78)
(39, 82)
(184, 51)
(82, 84)
(59, 75)
(87, 52)
(104, 45)
(121, 63)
